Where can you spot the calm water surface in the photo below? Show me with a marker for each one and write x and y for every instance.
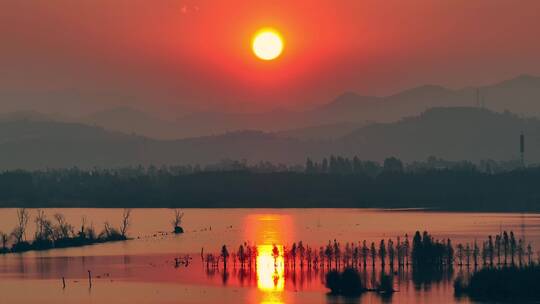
(143, 270)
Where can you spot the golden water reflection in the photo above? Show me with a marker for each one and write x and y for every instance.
(270, 268)
(268, 231)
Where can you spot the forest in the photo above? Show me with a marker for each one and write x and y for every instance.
(336, 182)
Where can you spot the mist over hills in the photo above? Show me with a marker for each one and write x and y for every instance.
(457, 133)
(129, 120)
(520, 95)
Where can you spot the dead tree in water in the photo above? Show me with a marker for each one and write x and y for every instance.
(4, 239)
(19, 233)
(125, 222)
(63, 229)
(177, 221)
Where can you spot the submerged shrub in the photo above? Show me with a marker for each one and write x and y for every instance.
(502, 283)
(346, 283)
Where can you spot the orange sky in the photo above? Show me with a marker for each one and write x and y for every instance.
(193, 55)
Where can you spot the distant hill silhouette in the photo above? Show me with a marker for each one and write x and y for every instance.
(321, 132)
(129, 120)
(520, 95)
(456, 133)
(32, 116)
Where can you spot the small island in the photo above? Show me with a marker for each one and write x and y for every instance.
(58, 233)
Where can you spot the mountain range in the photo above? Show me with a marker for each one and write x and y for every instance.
(453, 133)
(520, 95)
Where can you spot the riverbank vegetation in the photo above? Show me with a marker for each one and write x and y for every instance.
(334, 182)
(58, 233)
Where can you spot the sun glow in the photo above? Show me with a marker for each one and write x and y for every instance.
(270, 269)
(268, 231)
(267, 44)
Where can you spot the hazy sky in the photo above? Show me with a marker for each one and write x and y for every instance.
(176, 56)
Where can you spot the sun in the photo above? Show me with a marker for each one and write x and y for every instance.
(267, 44)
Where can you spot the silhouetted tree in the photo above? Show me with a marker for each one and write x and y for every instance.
(328, 253)
(373, 252)
(275, 254)
(449, 253)
(310, 167)
(406, 247)
(529, 253)
(417, 248)
(520, 252)
(513, 245)
(468, 254)
(63, 230)
(124, 226)
(491, 250)
(365, 253)
(19, 233)
(484, 254)
(391, 253)
(224, 256)
(324, 165)
(506, 246)
(241, 256)
(4, 239)
(177, 221)
(337, 253)
(498, 248)
(293, 254)
(382, 253)
(460, 254)
(475, 253)
(302, 253)
(392, 165)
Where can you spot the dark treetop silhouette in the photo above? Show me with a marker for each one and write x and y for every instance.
(337, 182)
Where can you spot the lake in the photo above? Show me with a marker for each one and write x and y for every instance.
(143, 270)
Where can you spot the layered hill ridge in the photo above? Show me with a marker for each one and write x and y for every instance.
(453, 133)
(520, 95)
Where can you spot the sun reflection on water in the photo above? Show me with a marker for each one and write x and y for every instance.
(268, 231)
(270, 269)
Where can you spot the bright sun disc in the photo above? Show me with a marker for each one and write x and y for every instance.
(267, 44)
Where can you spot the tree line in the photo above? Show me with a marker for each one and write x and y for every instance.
(424, 251)
(500, 258)
(390, 185)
